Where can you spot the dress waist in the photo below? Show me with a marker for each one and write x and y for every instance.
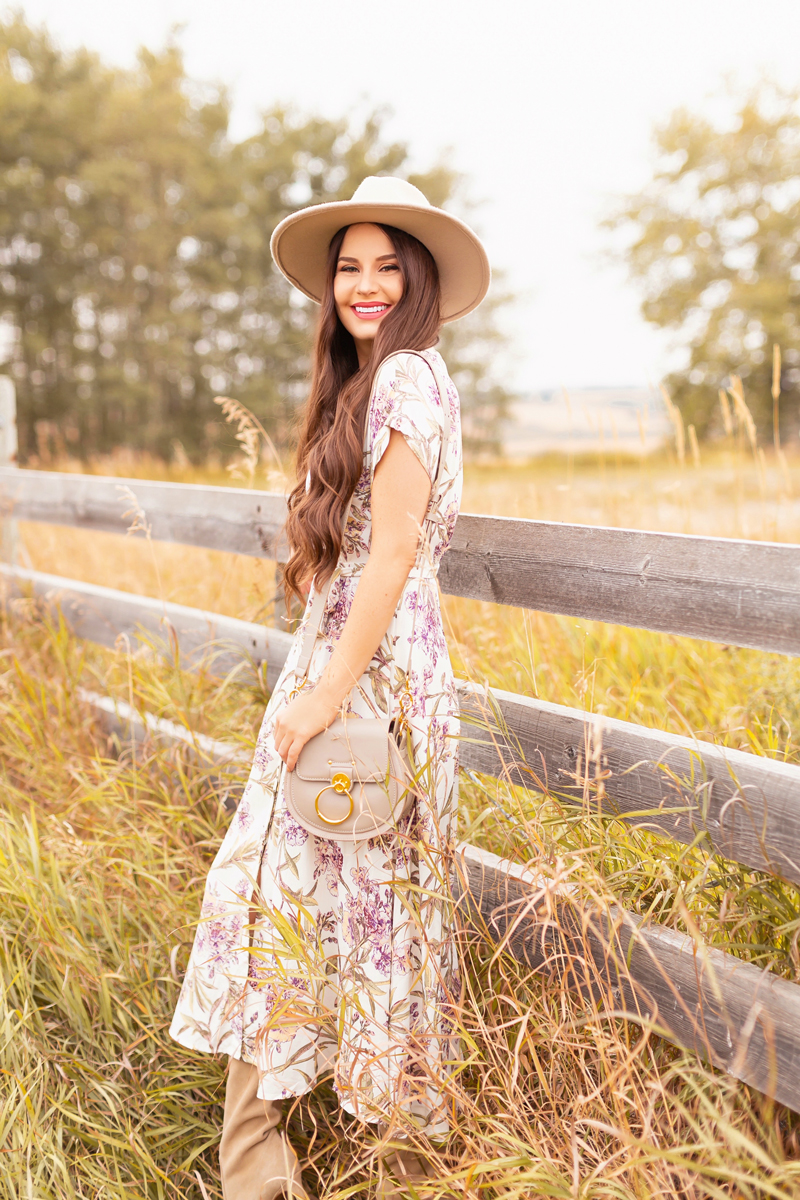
(354, 566)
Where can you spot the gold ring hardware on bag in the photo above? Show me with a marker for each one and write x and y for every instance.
(341, 784)
(406, 706)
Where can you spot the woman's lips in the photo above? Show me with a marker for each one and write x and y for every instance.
(369, 312)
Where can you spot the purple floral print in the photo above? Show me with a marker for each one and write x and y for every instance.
(329, 961)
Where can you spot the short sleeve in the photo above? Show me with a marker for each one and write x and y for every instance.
(406, 398)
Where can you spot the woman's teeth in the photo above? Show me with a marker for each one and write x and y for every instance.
(369, 310)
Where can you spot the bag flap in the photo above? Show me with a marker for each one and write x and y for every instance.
(356, 746)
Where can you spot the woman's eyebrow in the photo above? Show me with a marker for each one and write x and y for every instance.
(380, 258)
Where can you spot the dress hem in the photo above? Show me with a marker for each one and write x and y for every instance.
(441, 1129)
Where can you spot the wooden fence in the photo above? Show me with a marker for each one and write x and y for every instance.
(742, 806)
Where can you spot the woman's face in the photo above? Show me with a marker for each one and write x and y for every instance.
(367, 285)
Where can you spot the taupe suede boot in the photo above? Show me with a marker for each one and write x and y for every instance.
(256, 1161)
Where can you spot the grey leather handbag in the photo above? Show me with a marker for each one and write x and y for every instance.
(355, 780)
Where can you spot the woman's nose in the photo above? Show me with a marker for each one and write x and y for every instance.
(367, 284)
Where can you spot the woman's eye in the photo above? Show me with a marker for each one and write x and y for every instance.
(344, 267)
(390, 267)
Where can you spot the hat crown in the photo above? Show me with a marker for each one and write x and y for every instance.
(387, 189)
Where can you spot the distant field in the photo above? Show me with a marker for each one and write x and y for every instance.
(591, 419)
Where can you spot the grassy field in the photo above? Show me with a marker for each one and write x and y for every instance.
(104, 854)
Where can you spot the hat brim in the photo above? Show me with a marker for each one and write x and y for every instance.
(300, 244)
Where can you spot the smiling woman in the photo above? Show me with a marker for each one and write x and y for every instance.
(327, 951)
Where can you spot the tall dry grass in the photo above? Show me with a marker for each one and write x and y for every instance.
(104, 855)
(105, 849)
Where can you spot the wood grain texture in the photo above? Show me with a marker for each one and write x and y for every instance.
(724, 589)
(218, 644)
(742, 806)
(741, 1019)
(219, 518)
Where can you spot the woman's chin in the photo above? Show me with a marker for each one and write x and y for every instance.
(369, 331)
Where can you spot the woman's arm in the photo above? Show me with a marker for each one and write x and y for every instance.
(400, 493)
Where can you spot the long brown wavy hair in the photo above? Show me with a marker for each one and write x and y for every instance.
(330, 450)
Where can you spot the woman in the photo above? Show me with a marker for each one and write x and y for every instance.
(314, 954)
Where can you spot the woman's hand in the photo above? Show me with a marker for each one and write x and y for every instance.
(302, 719)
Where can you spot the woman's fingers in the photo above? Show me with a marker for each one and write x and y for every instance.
(290, 749)
(288, 745)
(300, 720)
(280, 738)
(293, 753)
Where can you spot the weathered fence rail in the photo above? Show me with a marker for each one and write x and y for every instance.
(723, 589)
(217, 518)
(104, 615)
(744, 807)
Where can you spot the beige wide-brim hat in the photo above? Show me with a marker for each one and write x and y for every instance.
(300, 243)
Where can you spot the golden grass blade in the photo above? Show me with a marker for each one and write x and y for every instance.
(727, 420)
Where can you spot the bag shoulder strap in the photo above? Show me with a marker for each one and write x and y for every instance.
(320, 598)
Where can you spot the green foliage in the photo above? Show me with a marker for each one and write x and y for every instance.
(714, 241)
(135, 270)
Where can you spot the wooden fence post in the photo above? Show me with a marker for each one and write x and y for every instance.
(9, 540)
(280, 609)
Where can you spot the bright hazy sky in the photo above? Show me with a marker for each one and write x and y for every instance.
(547, 108)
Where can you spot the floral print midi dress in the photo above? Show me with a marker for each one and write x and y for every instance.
(313, 955)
